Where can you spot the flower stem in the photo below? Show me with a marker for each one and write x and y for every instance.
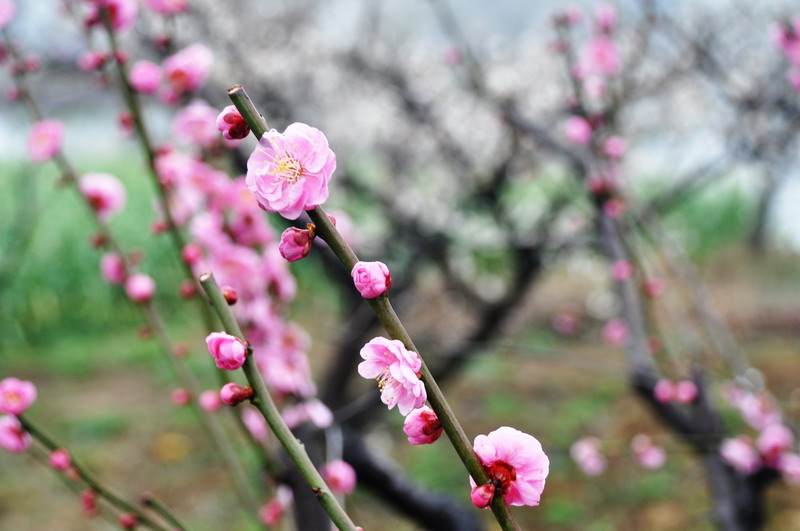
(263, 401)
(388, 318)
(149, 500)
(96, 485)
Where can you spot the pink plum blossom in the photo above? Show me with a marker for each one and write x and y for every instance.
(482, 495)
(13, 437)
(339, 476)
(231, 124)
(759, 411)
(6, 12)
(122, 13)
(112, 268)
(187, 70)
(104, 192)
(516, 464)
(312, 411)
(90, 60)
(372, 279)
(286, 370)
(196, 124)
(255, 424)
(740, 454)
(422, 426)
(168, 7)
(586, 454)
(295, 243)
(649, 454)
(289, 172)
(16, 395)
(140, 287)
(229, 351)
(685, 391)
(272, 512)
(397, 371)
(601, 57)
(45, 139)
(605, 16)
(145, 77)
(615, 332)
(622, 270)
(180, 397)
(566, 323)
(59, 459)
(233, 394)
(654, 287)
(614, 147)
(789, 467)
(209, 401)
(578, 130)
(774, 441)
(664, 391)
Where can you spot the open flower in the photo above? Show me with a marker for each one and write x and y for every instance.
(516, 464)
(16, 396)
(45, 140)
(586, 454)
(396, 370)
(289, 172)
(104, 192)
(13, 437)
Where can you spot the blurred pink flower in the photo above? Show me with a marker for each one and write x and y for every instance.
(578, 130)
(13, 438)
(422, 426)
(774, 441)
(209, 401)
(196, 124)
(16, 395)
(233, 394)
(140, 287)
(295, 243)
(112, 268)
(615, 332)
(339, 476)
(255, 423)
(586, 454)
(90, 60)
(740, 454)
(6, 12)
(396, 370)
(289, 172)
(372, 279)
(45, 140)
(145, 77)
(180, 397)
(516, 464)
(649, 454)
(168, 7)
(605, 16)
(59, 459)
(789, 467)
(122, 13)
(312, 411)
(614, 147)
(187, 70)
(654, 287)
(622, 270)
(286, 370)
(600, 56)
(104, 192)
(229, 352)
(664, 391)
(566, 323)
(685, 391)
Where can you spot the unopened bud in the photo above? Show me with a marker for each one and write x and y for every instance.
(233, 394)
(230, 295)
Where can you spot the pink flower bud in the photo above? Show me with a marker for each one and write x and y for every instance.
(90, 61)
(622, 270)
(231, 124)
(16, 396)
(233, 394)
(339, 476)
(181, 397)
(615, 332)
(140, 287)
(774, 441)
(209, 401)
(187, 289)
(422, 426)
(255, 424)
(112, 268)
(229, 351)
(230, 294)
(740, 454)
(128, 520)
(654, 287)
(89, 502)
(372, 279)
(271, 513)
(614, 147)
(482, 495)
(578, 130)
(60, 459)
(295, 243)
(122, 13)
(13, 437)
(664, 391)
(191, 253)
(45, 140)
(614, 207)
(685, 391)
(145, 77)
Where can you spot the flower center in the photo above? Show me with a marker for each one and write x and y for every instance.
(12, 398)
(287, 170)
(501, 474)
